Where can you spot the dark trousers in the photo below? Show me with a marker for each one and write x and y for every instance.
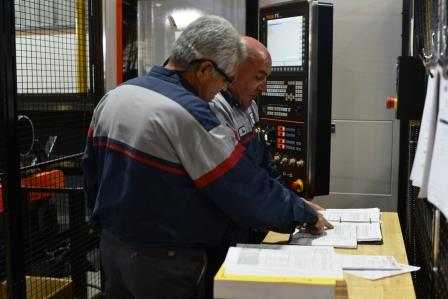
(152, 273)
(215, 258)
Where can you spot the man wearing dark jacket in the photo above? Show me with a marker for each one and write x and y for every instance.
(165, 179)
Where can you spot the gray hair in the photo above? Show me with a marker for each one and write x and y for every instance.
(209, 37)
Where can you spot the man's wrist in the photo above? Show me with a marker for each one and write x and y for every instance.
(311, 216)
(314, 220)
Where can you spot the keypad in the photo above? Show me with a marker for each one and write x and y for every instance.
(291, 91)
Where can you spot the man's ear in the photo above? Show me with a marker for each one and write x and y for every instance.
(204, 71)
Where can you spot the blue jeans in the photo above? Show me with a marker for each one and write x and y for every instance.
(151, 273)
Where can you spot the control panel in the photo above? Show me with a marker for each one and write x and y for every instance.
(295, 109)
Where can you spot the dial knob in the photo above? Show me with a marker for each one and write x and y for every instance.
(292, 161)
(297, 185)
(284, 160)
(300, 163)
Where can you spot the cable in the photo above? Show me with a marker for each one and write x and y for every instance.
(19, 118)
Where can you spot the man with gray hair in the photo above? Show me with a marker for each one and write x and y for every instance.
(165, 179)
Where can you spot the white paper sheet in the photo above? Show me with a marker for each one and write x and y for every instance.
(341, 236)
(285, 260)
(352, 215)
(423, 155)
(378, 274)
(367, 232)
(367, 262)
(438, 179)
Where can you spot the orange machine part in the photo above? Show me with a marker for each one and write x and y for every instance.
(47, 179)
(297, 185)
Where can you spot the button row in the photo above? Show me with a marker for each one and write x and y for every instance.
(273, 94)
(276, 113)
(288, 141)
(288, 147)
(286, 129)
(288, 68)
(284, 109)
(283, 134)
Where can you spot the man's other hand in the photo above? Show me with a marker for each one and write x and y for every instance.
(320, 226)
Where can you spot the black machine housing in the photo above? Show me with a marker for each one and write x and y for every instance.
(295, 110)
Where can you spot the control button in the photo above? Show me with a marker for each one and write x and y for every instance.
(391, 102)
(292, 161)
(284, 160)
(277, 158)
(300, 163)
(297, 185)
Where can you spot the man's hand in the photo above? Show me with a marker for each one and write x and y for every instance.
(320, 226)
(315, 206)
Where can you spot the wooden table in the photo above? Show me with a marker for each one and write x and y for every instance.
(393, 287)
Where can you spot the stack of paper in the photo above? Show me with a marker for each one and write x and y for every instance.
(437, 185)
(367, 232)
(373, 266)
(343, 235)
(367, 262)
(366, 222)
(350, 227)
(277, 272)
(431, 158)
(352, 215)
(378, 274)
(423, 155)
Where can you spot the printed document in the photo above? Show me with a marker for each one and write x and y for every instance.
(285, 260)
(424, 153)
(438, 181)
(377, 274)
(352, 215)
(367, 262)
(341, 236)
(367, 232)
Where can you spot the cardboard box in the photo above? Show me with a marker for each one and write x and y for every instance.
(44, 288)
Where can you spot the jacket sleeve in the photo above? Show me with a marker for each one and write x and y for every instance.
(251, 197)
(239, 187)
(90, 169)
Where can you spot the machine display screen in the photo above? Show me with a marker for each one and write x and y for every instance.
(285, 41)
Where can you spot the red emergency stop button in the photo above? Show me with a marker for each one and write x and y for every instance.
(391, 102)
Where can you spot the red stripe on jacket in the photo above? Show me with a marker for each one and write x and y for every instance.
(222, 168)
(140, 158)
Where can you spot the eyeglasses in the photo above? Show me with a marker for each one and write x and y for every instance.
(227, 78)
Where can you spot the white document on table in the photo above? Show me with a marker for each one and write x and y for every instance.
(341, 236)
(352, 215)
(283, 260)
(367, 262)
(438, 179)
(423, 156)
(378, 274)
(366, 231)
